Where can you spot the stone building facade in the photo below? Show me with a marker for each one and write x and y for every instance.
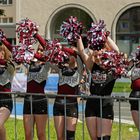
(122, 17)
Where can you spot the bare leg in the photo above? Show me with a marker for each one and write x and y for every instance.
(41, 122)
(135, 116)
(71, 123)
(91, 123)
(3, 133)
(4, 115)
(104, 127)
(71, 127)
(59, 127)
(28, 126)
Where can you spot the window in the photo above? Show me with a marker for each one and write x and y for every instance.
(6, 20)
(10, 20)
(65, 13)
(10, 1)
(128, 30)
(6, 1)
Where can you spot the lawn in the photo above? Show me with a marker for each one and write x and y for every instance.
(122, 87)
(128, 132)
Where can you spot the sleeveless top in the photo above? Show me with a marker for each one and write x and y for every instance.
(38, 72)
(102, 82)
(135, 78)
(37, 76)
(69, 78)
(6, 76)
(7, 73)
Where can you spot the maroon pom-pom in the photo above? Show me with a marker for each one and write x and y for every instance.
(97, 35)
(54, 53)
(26, 30)
(135, 55)
(115, 62)
(71, 29)
(23, 53)
(2, 35)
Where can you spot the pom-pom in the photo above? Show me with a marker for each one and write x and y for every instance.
(135, 55)
(2, 35)
(71, 29)
(26, 30)
(54, 53)
(115, 62)
(97, 35)
(23, 53)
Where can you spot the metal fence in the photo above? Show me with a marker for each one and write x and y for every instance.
(121, 113)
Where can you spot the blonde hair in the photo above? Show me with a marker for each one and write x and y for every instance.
(8, 54)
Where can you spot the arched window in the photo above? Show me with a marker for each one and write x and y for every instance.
(128, 30)
(63, 15)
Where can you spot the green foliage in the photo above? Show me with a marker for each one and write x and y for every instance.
(127, 131)
(1, 12)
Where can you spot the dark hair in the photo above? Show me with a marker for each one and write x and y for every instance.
(85, 41)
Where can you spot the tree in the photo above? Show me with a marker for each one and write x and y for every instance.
(1, 12)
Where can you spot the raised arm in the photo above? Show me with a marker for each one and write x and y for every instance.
(70, 51)
(87, 58)
(41, 40)
(80, 47)
(7, 44)
(111, 44)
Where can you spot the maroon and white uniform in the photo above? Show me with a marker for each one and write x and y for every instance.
(36, 80)
(6, 77)
(102, 83)
(135, 78)
(37, 74)
(69, 80)
(135, 86)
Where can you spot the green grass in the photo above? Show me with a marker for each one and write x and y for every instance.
(126, 134)
(122, 87)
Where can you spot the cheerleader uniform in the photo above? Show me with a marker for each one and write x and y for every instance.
(102, 83)
(6, 77)
(135, 86)
(69, 79)
(36, 80)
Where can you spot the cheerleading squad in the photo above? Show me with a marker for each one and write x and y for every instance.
(70, 63)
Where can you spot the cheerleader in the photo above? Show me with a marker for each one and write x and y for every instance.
(134, 74)
(35, 106)
(69, 79)
(99, 123)
(7, 70)
(70, 72)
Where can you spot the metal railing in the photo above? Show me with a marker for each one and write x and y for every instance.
(118, 104)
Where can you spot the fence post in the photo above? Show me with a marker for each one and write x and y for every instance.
(15, 117)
